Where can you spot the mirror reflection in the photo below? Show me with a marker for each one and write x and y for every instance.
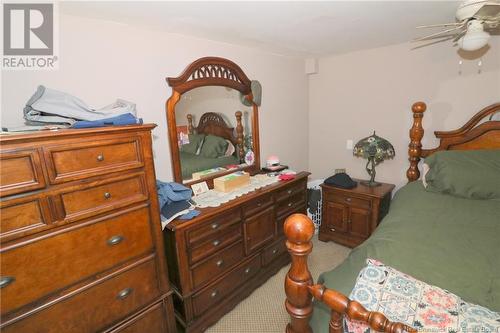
(214, 132)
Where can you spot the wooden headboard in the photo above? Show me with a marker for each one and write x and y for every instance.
(213, 123)
(478, 133)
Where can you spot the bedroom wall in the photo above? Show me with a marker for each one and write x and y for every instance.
(101, 61)
(356, 93)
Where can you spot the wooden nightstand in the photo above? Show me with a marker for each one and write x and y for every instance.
(349, 216)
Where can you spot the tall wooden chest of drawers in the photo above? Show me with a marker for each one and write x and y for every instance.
(81, 248)
(218, 258)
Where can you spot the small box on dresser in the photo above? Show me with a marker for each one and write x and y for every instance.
(80, 240)
(349, 216)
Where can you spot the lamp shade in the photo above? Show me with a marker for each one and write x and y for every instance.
(474, 40)
(374, 147)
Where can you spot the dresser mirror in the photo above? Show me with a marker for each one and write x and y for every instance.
(212, 122)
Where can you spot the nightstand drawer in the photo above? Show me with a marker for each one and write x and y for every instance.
(349, 200)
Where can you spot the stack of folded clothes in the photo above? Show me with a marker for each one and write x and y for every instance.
(175, 201)
(49, 109)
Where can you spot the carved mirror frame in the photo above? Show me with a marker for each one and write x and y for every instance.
(209, 71)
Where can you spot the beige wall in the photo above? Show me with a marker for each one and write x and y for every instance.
(102, 61)
(356, 93)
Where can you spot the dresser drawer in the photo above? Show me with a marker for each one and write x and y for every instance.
(217, 264)
(152, 320)
(215, 243)
(273, 251)
(22, 216)
(281, 219)
(96, 306)
(213, 227)
(291, 204)
(348, 200)
(106, 196)
(84, 159)
(41, 266)
(290, 190)
(214, 294)
(258, 204)
(20, 171)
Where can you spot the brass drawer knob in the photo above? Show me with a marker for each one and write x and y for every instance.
(289, 191)
(124, 293)
(216, 242)
(214, 293)
(332, 229)
(348, 199)
(6, 280)
(275, 251)
(247, 270)
(259, 204)
(215, 225)
(107, 195)
(220, 263)
(289, 204)
(100, 157)
(115, 240)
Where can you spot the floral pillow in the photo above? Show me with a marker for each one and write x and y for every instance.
(404, 299)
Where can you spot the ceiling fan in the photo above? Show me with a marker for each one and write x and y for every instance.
(470, 31)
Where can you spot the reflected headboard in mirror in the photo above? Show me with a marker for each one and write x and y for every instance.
(216, 94)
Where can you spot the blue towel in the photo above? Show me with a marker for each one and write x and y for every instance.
(168, 192)
(124, 119)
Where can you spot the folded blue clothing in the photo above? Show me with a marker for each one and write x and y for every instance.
(190, 215)
(168, 192)
(124, 119)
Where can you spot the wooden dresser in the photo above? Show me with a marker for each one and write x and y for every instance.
(218, 258)
(81, 247)
(349, 216)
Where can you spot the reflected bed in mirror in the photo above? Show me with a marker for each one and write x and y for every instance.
(212, 122)
(214, 131)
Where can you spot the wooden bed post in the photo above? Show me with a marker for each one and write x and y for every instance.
(239, 135)
(415, 146)
(299, 230)
(190, 123)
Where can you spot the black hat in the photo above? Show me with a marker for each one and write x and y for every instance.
(341, 180)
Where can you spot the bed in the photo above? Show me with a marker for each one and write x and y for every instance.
(430, 236)
(211, 123)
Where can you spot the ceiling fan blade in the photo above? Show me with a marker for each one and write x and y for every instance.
(440, 25)
(489, 11)
(458, 36)
(436, 34)
(433, 42)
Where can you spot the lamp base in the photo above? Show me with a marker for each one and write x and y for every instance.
(370, 183)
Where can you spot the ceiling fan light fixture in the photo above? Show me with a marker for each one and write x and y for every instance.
(474, 40)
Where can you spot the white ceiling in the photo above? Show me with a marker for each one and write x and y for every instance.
(290, 28)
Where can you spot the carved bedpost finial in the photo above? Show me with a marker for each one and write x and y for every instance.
(415, 146)
(299, 231)
(239, 135)
(190, 123)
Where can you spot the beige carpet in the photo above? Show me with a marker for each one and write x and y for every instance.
(264, 311)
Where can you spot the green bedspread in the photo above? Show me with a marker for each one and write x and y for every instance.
(191, 163)
(446, 241)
